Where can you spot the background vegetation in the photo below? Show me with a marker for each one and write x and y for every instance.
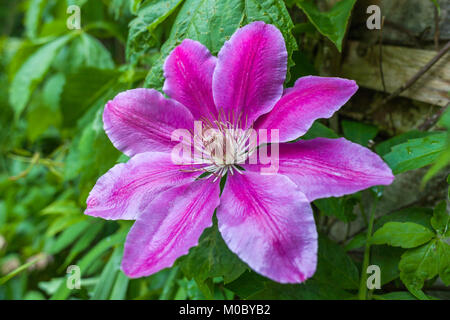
(54, 83)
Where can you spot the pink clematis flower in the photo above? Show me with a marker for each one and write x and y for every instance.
(266, 220)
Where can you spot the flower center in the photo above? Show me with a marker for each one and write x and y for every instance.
(223, 147)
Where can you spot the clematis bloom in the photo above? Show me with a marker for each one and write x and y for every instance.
(266, 220)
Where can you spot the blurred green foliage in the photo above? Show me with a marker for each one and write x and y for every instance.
(54, 83)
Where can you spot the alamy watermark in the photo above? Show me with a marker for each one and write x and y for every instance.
(74, 20)
(374, 20)
(74, 279)
(374, 280)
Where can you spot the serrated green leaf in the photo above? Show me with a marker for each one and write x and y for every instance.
(441, 218)
(341, 208)
(151, 14)
(335, 267)
(401, 295)
(253, 286)
(211, 258)
(444, 261)
(418, 265)
(212, 22)
(387, 258)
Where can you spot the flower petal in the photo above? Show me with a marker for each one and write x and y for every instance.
(142, 120)
(127, 188)
(324, 168)
(171, 225)
(188, 71)
(310, 98)
(248, 79)
(269, 224)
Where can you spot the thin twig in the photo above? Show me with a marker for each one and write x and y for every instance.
(431, 121)
(419, 74)
(436, 28)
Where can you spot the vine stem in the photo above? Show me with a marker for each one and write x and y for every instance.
(362, 294)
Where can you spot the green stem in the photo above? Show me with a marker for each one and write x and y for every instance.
(363, 285)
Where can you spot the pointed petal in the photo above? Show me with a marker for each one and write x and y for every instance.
(170, 226)
(311, 98)
(126, 189)
(188, 71)
(248, 79)
(324, 168)
(142, 120)
(269, 224)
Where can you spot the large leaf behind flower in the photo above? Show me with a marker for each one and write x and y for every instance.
(212, 22)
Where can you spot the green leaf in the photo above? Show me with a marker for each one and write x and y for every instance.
(118, 238)
(416, 153)
(385, 146)
(84, 51)
(444, 261)
(120, 288)
(247, 284)
(44, 110)
(91, 154)
(108, 276)
(332, 24)
(32, 72)
(402, 234)
(417, 215)
(341, 208)
(84, 242)
(334, 267)
(444, 158)
(387, 258)
(212, 22)
(319, 130)
(441, 218)
(359, 132)
(211, 258)
(417, 265)
(83, 89)
(309, 290)
(141, 34)
(401, 295)
(253, 286)
(33, 17)
(68, 236)
(441, 162)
